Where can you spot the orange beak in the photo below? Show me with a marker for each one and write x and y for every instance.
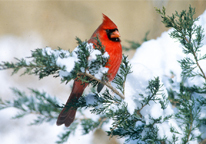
(115, 34)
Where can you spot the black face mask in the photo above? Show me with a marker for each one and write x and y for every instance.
(109, 32)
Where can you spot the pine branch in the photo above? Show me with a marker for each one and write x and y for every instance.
(105, 83)
(124, 124)
(154, 87)
(64, 136)
(124, 70)
(190, 36)
(196, 59)
(39, 103)
(197, 62)
(185, 28)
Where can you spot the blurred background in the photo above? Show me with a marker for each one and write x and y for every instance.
(59, 22)
(27, 25)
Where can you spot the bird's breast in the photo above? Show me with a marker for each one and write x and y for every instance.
(115, 59)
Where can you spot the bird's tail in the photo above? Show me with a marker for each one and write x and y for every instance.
(68, 113)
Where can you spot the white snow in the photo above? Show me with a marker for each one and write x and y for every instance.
(100, 73)
(90, 99)
(93, 56)
(68, 61)
(70, 58)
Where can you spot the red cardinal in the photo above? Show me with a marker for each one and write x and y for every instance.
(109, 37)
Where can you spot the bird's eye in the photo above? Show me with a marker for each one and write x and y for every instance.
(111, 30)
(108, 31)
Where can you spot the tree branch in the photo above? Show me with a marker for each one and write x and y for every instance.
(190, 130)
(105, 83)
(195, 56)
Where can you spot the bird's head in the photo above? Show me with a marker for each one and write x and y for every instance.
(107, 30)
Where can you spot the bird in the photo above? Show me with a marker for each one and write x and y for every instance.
(109, 36)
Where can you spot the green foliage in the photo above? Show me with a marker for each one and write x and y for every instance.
(100, 61)
(125, 124)
(124, 70)
(40, 63)
(83, 64)
(89, 125)
(64, 136)
(43, 63)
(189, 97)
(105, 105)
(189, 35)
(40, 103)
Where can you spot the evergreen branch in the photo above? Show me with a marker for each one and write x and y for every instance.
(105, 83)
(70, 130)
(185, 28)
(39, 103)
(190, 128)
(124, 124)
(89, 125)
(38, 64)
(190, 36)
(124, 70)
(153, 87)
(44, 63)
(196, 60)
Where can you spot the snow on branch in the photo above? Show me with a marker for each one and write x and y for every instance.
(84, 63)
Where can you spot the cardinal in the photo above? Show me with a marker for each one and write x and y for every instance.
(109, 35)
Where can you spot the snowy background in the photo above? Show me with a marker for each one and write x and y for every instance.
(155, 57)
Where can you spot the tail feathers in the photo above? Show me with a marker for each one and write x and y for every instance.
(68, 113)
(66, 116)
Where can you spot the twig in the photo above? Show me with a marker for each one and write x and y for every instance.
(190, 130)
(101, 121)
(105, 83)
(124, 87)
(194, 54)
